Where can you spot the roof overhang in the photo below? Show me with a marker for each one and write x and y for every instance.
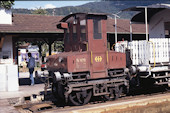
(151, 11)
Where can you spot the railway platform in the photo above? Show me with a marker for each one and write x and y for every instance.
(157, 103)
(25, 90)
(7, 98)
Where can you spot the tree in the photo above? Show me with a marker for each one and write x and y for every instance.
(40, 11)
(45, 49)
(6, 4)
(58, 46)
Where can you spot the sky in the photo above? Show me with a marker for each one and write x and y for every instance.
(48, 4)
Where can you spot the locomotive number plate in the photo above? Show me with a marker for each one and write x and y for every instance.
(98, 58)
(81, 63)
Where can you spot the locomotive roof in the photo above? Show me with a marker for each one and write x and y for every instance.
(102, 15)
(151, 10)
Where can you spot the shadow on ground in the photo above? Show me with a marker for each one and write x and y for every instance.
(26, 81)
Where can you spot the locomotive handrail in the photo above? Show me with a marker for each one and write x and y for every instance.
(91, 57)
(107, 58)
(113, 45)
(87, 46)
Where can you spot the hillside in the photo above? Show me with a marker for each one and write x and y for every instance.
(98, 7)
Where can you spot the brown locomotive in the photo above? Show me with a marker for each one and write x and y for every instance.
(87, 66)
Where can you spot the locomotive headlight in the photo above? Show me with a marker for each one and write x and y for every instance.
(55, 64)
(58, 76)
(46, 60)
(60, 59)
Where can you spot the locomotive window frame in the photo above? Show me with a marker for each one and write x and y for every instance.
(67, 40)
(97, 29)
(83, 30)
(75, 38)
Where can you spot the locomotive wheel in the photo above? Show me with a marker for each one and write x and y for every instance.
(113, 93)
(55, 90)
(58, 92)
(80, 98)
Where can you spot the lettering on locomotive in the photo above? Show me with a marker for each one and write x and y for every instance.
(81, 63)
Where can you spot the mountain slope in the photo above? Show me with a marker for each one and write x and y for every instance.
(108, 7)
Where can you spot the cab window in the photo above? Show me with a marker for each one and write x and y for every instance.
(97, 29)
(74, 32)
(83, 30)
(67, 35)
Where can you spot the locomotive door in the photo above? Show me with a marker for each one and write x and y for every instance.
(97, 47)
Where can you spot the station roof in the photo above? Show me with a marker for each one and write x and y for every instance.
(151, 11)
(123, 27)
(28, 23)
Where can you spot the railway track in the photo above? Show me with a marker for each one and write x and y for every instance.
(48, 104)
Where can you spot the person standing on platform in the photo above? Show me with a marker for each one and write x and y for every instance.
(31, 65)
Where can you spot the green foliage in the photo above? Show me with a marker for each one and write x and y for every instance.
(40, 11)
(58, 46)
(45, 49)
(20, 43)
(6, 4)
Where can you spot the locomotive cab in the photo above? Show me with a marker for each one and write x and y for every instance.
(85, 47)
(86, 33)
(86, 66)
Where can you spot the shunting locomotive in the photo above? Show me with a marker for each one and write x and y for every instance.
(89, 67)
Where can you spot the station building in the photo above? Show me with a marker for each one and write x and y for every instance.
(157, 16)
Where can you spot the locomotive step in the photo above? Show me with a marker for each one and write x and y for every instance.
(117, 75)
(162, 83)
(157, 77)
(162, 70)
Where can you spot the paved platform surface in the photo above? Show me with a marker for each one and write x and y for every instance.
(24, 90)
(110, 107)
(24, 87)
(5, 107)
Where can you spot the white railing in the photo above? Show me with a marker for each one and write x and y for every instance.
(156, 50)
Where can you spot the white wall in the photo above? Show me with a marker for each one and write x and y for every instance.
(3, 80)
(156, 24)
(5, 16)
(8, 71)
(9, 78)
(12, 78)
